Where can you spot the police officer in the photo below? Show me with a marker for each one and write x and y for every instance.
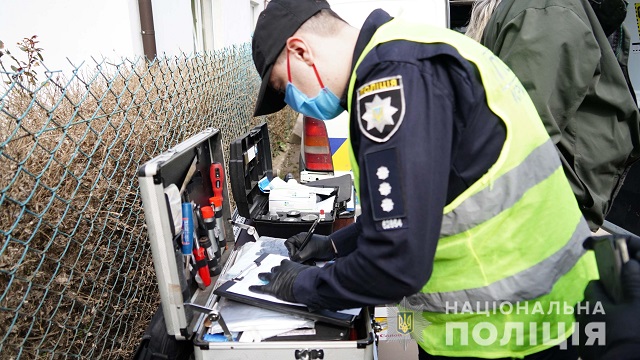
(464, 202)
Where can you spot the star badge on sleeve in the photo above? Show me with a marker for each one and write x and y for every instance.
(381, 108)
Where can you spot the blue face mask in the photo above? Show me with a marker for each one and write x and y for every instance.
(323, 106)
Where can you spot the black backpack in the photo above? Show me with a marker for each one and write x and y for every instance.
(157, 344)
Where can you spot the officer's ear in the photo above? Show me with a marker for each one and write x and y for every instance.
(300, 49)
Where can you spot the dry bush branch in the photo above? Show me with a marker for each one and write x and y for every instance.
(76, 274)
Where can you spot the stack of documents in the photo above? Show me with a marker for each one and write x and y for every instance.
(287, 196)
(256, 323)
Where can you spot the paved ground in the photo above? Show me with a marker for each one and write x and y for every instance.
(288, 159)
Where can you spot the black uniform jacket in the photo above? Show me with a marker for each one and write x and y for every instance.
(422, 133)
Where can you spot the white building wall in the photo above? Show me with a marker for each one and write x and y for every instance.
(81, 29)
(74, 29)
(232, 21)
(173, 24)
(355, 12)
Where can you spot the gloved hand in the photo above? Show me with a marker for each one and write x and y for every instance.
(281, 279)
(622, 328)
(319, 247)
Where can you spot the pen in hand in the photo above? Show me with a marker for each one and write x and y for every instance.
(309, 235)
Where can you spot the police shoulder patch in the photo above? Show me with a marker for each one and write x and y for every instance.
(380, 108)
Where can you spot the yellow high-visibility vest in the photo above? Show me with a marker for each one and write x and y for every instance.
(511, 241)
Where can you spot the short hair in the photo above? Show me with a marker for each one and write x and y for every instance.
(326, 23)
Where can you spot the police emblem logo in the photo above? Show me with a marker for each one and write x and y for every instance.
(405, 322)
(380, 105)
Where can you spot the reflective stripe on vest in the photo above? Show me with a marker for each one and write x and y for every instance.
(528, 284)
(487, 203)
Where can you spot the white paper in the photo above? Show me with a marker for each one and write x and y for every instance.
(277, 183)
(251, 153)
(321, 190)
(354, 312)
(326, 205)
(286, 199)
(242, 317)
(175, 206)
(252, 250)
(251, 278)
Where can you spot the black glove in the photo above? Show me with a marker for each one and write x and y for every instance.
(622, 334)
(281, 279)
(319, 247)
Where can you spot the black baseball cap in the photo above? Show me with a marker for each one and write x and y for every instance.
(279, 20)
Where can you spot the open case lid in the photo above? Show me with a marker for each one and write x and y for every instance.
(250, 161)
(171, 167)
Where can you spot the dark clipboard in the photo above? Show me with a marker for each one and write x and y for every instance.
(326, 316)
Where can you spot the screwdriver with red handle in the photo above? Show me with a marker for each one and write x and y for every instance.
(216, 174)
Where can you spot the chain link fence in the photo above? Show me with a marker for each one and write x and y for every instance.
(76, 272)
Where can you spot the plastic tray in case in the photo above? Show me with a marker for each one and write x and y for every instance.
(250, 161)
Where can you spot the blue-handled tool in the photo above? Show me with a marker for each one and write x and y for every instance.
(187, 231)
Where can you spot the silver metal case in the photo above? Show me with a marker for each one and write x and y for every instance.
(171, 168)
(181, 321)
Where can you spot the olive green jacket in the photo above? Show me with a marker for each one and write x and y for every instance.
(562, 57)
